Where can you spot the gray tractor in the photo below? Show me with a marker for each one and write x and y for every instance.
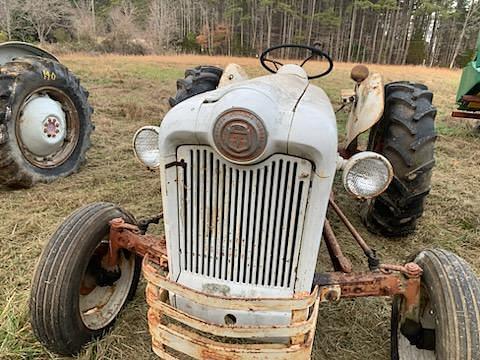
(246, 168)
(45, 117)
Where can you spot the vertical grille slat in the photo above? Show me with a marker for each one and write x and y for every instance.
(242, 223)
(257, 231)
(194, 183)
(290, 224)
(219, 218)
(296, 230)
(211, 219)
(266, 205)
(232, 223)
(226, 221)
(251, 216)
(202, 212)
(246, 189)
(278, 222)
(286, 187)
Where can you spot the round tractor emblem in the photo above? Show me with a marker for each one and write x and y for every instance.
(240, 135)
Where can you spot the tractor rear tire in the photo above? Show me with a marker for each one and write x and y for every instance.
(74, 300)
(22, 82)
(197, 81)
(449, 314)
(406, 137)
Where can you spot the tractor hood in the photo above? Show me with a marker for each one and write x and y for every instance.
(298, 118)
(286, 115)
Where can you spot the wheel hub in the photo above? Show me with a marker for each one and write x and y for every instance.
(51, 126)
(103, 295)
(42, 126)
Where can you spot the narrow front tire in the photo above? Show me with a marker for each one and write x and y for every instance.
(74, 299)
(449, 315)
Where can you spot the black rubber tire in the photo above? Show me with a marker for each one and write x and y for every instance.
(454, 292)
(406, 137)
(18, 79)
(54, 302)
(198, 80)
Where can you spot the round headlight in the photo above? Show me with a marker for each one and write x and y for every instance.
(367, 175)
(145, 146)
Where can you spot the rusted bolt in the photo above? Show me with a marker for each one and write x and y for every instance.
(413, 269)
(331, 295)
(117, 222)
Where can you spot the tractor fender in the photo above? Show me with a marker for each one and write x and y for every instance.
(14, 49)
(232, 74)
(368, 107)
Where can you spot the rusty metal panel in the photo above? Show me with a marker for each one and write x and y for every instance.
(150, 271)
(159, 308)
(198, 347)
(173, 329)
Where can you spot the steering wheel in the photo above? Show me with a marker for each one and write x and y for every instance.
(315, 52)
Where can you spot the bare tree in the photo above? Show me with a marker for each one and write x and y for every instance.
(122, 18)
(124, 36)
(7, 9)
(472, 17)
(162, 23)
(45, 15)
(83, 20)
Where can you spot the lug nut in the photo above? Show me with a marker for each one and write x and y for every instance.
(413, 269)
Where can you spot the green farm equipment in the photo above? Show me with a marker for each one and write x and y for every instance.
(468, 94)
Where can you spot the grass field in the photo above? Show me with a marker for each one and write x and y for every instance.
(129, 92)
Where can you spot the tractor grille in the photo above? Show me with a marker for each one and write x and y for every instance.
(241, 223)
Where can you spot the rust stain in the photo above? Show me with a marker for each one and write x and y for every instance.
(128, 236)
(193, 337)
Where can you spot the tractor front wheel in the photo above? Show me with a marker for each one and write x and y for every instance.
(74, 298)
(448, 323)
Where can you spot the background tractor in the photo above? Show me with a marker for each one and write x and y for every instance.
(247, 169)
(468, 94)
(45, 117)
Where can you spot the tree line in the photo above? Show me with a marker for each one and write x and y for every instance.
(428, 32)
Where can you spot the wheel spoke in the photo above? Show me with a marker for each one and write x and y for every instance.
(306, 60)
(274, 62)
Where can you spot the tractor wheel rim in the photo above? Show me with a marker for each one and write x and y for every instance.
(47, 128)
(102, 304)
(406, 351)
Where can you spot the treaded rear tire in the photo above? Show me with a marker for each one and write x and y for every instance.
(454, 292)
(406, 137)
(197, 80)
(18, 79)
(55, 295)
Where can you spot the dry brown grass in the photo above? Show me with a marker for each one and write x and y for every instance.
(128, 92)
